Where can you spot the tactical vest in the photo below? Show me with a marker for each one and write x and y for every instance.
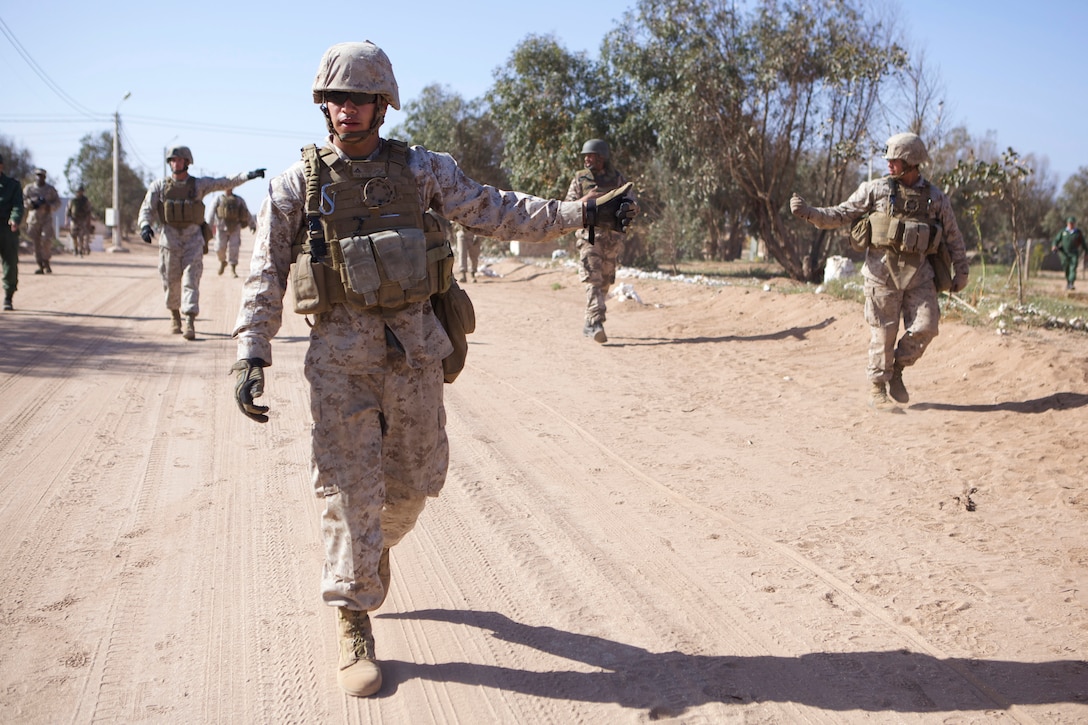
(179, 203)
(229, 209)
(367, 242)
(911, 227)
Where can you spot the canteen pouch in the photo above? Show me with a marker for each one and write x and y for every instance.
(458, 317)
(308, 286)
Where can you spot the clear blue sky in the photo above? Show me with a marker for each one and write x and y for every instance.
(232, 80)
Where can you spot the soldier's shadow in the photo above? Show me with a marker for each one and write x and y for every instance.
(796, 333)
(1054, 401)
(666, 684)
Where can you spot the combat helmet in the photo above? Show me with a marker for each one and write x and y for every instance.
(596, 146)
(357, 68)
(908, 147)
(180, 152)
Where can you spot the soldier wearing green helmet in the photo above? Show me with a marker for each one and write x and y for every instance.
(1069, 244)
(907, 229)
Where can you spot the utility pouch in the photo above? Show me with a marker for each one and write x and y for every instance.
(458, 317)
(942, 267)
(308, 286)
(861, 234)
(207, 232)
(386, 268)
(180, 212)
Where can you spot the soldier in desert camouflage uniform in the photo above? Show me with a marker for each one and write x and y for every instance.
(176, 204)
(374, 363)
(600, 254)
(468, 251)
(229, 215)
(905, 218)
(40, 199)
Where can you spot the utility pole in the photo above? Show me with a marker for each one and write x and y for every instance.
(117, 177)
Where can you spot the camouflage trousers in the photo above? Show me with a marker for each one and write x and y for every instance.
(598, 272)
(180, 268)
(379, 448)
(884, 306)
(227, 243)
(39, 229)
(469, 255)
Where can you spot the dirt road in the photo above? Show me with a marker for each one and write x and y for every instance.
(699, 522)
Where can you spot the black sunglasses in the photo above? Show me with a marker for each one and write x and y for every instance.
(342, 97)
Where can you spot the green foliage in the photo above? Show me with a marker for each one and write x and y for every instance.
(1073, 201)
(443, 121)
(545, 100)
(18, 163)
(92, 166)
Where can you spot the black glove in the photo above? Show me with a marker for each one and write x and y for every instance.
(250, 385)
(255, 173)
(146, 234)
(614, 210)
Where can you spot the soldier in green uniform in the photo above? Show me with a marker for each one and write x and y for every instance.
(11, 216)
(1068, 244)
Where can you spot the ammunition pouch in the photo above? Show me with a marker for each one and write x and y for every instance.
(906, 236)
(861, 234)
(387, 269)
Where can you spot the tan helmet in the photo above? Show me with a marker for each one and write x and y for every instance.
(356, 68)
(181, 152)
(596, 146)
(39, 172)
(908, 147)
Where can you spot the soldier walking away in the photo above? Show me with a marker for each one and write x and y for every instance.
(349, 226)
(904, 219)
(176, 205)
(598, 252)
(80, 222)
(1069, 244)
(229, 215)
(41, 199)
(11, 216)
(468, 251)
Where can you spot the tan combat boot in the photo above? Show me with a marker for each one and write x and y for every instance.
(359, 674)
(234, 270)
(190, 327)
(878, 397)
(222, 266)
(896, 389)
(175, 322)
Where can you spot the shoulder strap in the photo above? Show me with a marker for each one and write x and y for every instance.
(315, 234)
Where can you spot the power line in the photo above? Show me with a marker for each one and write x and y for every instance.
(40, 72)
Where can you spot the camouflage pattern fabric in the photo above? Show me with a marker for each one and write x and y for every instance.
(39, 221)
(378, 437)
(897, 286)
(597, 261)
(228, 234)
(468, 250)
(181, 249)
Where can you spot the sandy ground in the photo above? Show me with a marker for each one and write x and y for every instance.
(699, 522)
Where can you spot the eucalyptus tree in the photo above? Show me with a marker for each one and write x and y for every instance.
(442, 120)
(92, 167)
(756, 102)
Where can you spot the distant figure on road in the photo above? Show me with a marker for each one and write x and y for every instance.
(1069, 244)
(41, 199)
(468, 251)
(229, 215)
(598, 252)
(906, 218)
(11, 216)
(176, 204)
(80, 222)
(349, 228)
